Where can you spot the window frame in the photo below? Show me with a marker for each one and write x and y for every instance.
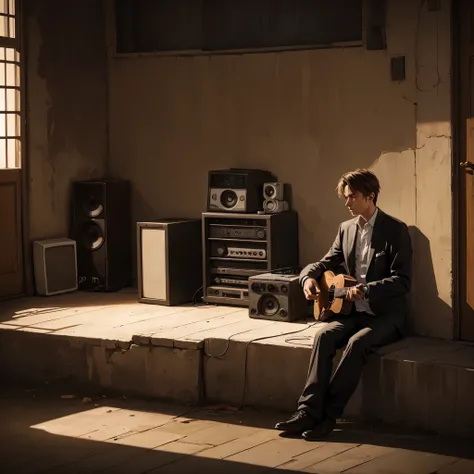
(13, 43)
(112, 29)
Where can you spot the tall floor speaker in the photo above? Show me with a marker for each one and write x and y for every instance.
(102, 230)
(169, 260)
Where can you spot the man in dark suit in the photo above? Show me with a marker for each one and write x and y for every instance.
(376, 249)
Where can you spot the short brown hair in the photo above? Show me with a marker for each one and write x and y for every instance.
(360, 180)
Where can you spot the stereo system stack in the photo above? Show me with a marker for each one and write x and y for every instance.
(243, 251)
(250, 231)
(239, 246)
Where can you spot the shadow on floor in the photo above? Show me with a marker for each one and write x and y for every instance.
(24, 449)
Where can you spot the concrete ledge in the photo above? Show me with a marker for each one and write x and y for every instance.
(427, 384)
(415, 382)
(254, 374)
(168, 373)
(218, 354)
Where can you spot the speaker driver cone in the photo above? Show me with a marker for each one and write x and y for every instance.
(229, 199)
(268, 305)
(91, 236)
(92, 207)
(269, 192)
(270, 205)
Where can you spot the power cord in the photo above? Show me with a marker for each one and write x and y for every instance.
(244, 394)
(247, 345)
(282, 270)
(196, 294)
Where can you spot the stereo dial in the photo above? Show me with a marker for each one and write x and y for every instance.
(221, 250)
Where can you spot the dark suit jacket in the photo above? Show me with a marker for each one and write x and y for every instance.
(390, 262)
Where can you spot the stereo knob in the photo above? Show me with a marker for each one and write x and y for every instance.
(284, 288)
(261, 233)
(220, 251)
(283, 313)
(272, 288)
(256, 287)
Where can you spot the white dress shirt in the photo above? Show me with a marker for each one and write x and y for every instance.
(363, 242)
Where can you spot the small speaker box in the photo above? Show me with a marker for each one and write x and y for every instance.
(274, 191)
(277, 297)
(55, 266)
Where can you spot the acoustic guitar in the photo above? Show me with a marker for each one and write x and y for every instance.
(331, 299)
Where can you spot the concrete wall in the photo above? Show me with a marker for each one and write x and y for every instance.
(66, 96)
(308, 116)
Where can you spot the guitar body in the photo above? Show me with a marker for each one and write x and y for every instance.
(330, 300)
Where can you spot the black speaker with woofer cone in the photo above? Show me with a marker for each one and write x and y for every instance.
(101, 227)
(276, 297)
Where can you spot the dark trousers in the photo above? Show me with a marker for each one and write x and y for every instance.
(361, 333)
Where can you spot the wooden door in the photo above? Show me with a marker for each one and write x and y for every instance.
(465, 169)
(11, 254)
(11, 237)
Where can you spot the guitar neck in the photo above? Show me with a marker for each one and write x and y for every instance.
(342, 292)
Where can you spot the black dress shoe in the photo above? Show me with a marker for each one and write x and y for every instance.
(299, 422)
(321, 430)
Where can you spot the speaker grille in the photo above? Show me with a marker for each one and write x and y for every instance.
(55, 266)
(60, 268)
(153, 255)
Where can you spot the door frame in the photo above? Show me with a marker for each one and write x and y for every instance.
(20, 42)
(25, 169)
(459, 150)
(455, 159)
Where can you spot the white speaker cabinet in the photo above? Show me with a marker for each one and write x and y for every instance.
(55, 266)
(169, 261)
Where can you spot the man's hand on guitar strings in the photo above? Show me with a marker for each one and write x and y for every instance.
(355, 293)
(311, 289)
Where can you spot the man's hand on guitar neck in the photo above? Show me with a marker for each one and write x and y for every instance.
(311, 288)
(355, 293)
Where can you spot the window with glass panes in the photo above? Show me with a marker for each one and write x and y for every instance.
(10, 123)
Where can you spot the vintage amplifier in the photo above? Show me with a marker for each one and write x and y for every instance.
(237, 232)
(244, 250)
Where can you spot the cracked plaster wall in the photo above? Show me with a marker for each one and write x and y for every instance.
(67, 105)
(308, 116)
